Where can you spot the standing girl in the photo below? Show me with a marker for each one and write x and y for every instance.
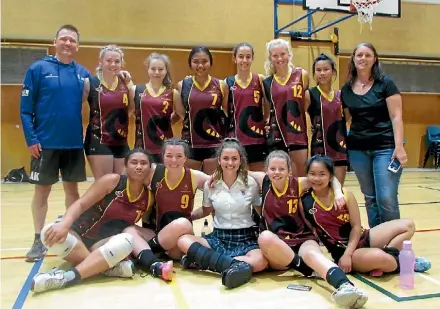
(285, 90)
(155, 104)
(205, 99)
(324, 105)
(246, 109)
(105, 142)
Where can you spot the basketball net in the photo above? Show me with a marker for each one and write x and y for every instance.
(365, 10)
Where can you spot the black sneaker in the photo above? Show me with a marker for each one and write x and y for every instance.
(37, 252)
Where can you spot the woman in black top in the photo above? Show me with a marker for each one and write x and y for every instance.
(373, 108)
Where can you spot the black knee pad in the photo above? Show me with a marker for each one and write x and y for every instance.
(395, 254)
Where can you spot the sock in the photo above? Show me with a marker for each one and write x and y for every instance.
(299, 265)
(146, 259)
(72, 276)
(336, 277)
(155, 245)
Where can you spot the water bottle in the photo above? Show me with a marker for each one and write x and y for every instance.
(205, 228)
(407, 260)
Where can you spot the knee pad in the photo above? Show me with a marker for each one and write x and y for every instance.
(117, 248)
(60, 249)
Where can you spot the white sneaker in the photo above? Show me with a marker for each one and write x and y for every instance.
(124, 269)
(348, 296)
(48, 281)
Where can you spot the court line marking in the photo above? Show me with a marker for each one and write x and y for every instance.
(393, 296)
(429, 279)
(178, 295)
(21, 298)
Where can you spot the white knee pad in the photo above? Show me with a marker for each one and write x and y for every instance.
(117, 248)
(60, 249)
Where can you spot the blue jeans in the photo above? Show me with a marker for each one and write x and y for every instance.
(378, 184)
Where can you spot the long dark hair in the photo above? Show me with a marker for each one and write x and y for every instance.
(376, 71)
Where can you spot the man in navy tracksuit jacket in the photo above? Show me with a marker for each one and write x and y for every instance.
(50, 110)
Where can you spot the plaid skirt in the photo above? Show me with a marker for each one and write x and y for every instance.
(235, 242)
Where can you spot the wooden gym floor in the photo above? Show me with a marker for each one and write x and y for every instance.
(419, 198)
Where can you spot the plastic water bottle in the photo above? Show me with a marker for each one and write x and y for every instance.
(407, 260)
(205, 228)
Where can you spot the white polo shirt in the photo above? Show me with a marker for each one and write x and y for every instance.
(233, 206)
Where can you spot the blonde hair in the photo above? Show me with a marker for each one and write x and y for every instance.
(268, 66)
(278, 154)
(167, 81)
(108, 48)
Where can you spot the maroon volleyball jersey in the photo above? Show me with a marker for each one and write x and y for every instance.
(204, 121)
(281, 215)
(332, 225)
(287, 116)
(246, 120)
(153, 118)
(108, 120)
(116, 211)
(174, 201)
(328, 124)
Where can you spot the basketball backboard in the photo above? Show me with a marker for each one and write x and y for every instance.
(388, 8)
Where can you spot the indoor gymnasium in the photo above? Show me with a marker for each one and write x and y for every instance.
(207, 37)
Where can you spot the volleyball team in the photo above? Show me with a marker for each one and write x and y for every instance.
(244, 143)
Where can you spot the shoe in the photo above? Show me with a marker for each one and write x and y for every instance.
(37, 252)
(124, 269)
(52, 280)
(421, 265)
(186, 264)
(162, 270)
(348, 296)
(237, 274)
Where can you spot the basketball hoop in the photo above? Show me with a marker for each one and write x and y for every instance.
(365, 10)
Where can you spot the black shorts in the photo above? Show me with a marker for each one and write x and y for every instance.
(45, 170)
(337, 252)
(107, 230)
(341, 163)
(256, 153)
(93, 146)
(200, 154)
(282, 146)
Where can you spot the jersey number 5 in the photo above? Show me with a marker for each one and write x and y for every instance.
(297, 91)
(184, 201)
(256, 96)
(293, 206)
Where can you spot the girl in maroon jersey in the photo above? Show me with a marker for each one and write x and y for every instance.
(205, 99)
(285, 90)
(156, 104)
(105, 142)
(247, 107)
(351, 246)
(174, 187)
(233, 243)
(97, 232)
(286, 241)
(324, 105)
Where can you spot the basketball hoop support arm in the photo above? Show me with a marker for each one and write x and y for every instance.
(301, 34)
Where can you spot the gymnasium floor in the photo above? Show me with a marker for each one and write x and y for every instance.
(419, 197)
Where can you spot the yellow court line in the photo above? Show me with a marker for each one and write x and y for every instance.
(178, 295)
